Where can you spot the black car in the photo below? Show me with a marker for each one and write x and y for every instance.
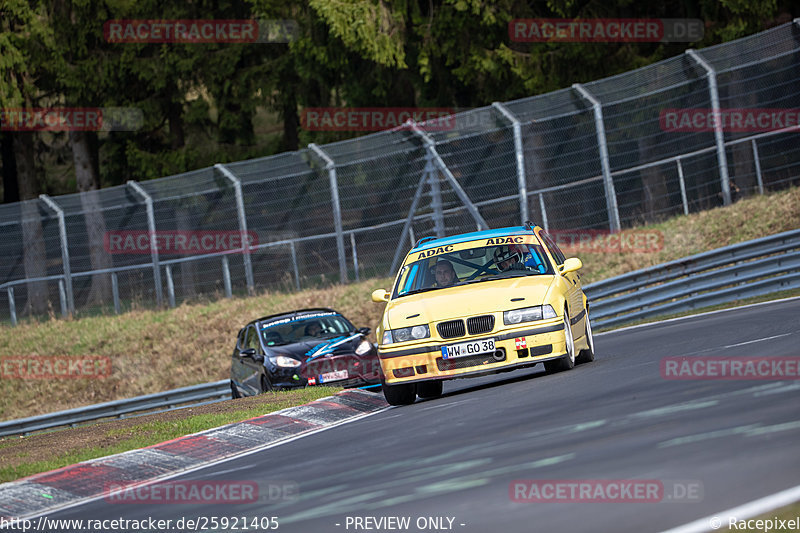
(301, 348)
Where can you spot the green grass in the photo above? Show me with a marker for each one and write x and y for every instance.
(139, 435)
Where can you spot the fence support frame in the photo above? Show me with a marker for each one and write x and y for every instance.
(62, 235)
(330, 166)
(602, 144)
(522, 183)
(430, 146)
(240, 213)
(719, 136)
(151, 226)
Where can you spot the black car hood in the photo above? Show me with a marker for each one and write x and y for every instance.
(309, 350)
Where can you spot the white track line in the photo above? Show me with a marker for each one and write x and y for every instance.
(743, 512)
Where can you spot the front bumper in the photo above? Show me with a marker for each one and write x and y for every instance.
(518, 346)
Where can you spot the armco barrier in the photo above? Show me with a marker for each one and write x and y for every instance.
(742, 270)
(171, 399)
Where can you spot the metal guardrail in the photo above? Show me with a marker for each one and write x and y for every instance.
(742, 270)
(171, 399)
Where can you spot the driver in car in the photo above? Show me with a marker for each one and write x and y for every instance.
(508, 258)
(445, 273)
(313, 329)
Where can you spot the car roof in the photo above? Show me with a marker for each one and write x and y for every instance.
(299, 313)
(473, 236)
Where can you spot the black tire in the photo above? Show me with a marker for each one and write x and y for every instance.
(266, 386)
(429, 389)
(402, 394)
(587, 355)
(567, 361)
(234, 392)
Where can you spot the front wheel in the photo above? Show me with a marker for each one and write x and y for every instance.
(402, 394)
(587, 355)
(266, 386)
(429, 389)
(566, 361)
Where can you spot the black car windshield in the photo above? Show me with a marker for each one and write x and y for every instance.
(473, 265)
(305, 328)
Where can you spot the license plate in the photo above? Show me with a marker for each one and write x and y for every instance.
(464, 349)
(333, 376)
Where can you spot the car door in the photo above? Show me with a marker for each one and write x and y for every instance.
(252, 366)
(574, 294)
(237, 368)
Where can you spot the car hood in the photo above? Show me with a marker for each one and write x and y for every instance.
(468, 300)
(303, 351)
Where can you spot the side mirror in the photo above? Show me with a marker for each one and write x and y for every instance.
(571, 265)
(364, 331)
(380, 296)
(248, 352)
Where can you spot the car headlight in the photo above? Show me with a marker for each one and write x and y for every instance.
(411, 333)
(285, 362)
(363, 347)
(528, 314)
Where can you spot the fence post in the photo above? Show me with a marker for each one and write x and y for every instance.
(240, 213)
(430, 146)
(115, 291)
(337, 209)
(608, 181)
(170, 287)
(226, 277)
(722, 158)
(521, 179)
(407, 229)
(355, 254)
(436, 196)
(294, 265)
(758, 167)
(62, 298)
(151, 226)
(683, 187)
(545, 225)
(12, 306)
(62, 234)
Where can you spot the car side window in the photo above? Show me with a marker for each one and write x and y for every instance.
(555, 251)
(241, 339)
(252, 339)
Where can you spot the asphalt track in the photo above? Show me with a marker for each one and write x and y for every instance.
(729, 442)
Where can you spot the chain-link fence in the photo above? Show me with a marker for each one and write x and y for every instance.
(607, 154)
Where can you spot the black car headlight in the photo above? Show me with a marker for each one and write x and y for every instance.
(528, 314)
(284, 362)
(411, 333)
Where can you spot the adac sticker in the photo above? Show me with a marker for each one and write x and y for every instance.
(520, 343)
(519, 239)
(435, 251)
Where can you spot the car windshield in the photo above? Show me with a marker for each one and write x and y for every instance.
(305, 328)
(471, 265)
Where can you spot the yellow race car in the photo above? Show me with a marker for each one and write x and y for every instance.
(481, 303)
